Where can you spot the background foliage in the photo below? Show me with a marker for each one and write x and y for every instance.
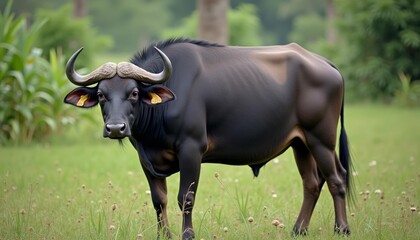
(377, 46)
(31, 86)
(380, 40)
(244, 26)
(67, 34)
(130, 23)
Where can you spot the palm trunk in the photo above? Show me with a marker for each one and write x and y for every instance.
(331, 15)
(212, 22)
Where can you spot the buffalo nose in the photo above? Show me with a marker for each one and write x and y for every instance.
(115, 130)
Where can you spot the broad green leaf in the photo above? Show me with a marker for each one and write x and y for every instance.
(46, 97)
(50, 122)
(25, 111)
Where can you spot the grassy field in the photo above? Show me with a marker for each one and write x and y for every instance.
(84, 187)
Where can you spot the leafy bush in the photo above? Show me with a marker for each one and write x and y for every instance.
(308, 30)
(380, 39)
(31, 88)
(68, 34)
(244, 26)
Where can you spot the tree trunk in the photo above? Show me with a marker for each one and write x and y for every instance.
(331, 16)
(212, 20)
(79, 8)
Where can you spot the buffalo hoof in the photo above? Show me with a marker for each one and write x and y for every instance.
(297, 232)
(188, 234)
(342, 230)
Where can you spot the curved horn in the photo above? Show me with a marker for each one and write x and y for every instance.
(130, 70)
(107, 70)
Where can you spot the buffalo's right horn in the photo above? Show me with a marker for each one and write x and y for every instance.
(130, 70)
(107, 70)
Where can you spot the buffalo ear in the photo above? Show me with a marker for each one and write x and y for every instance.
(157, 95)
(83, 97)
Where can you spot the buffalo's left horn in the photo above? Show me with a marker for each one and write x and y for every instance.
(107, 70)
(130, 70)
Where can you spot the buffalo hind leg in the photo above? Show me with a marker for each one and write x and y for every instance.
(312, 185)
(158, 191)
(335, 176)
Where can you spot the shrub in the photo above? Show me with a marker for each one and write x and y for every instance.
(380, 39)
(31, 87)
(62, 31)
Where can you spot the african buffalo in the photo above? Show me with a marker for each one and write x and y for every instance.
(186, 102)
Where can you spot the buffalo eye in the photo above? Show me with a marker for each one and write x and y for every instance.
(134, 95)
(101, 96)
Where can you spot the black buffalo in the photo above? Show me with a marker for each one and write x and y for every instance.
(187, 102)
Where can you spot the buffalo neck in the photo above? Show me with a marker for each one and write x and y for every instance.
(148, 123)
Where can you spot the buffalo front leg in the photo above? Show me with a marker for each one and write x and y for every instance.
(312, 185)
(158, 190)
(189, 166)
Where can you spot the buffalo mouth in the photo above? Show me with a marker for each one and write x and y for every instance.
(117, 138)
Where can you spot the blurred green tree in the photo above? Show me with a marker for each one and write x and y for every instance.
(67, 34)
(308, 30)
(275, 26)
(27, 7)
(379, 41)
(309, 21)
(132, 23)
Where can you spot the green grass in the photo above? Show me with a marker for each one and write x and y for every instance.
(84, 187)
